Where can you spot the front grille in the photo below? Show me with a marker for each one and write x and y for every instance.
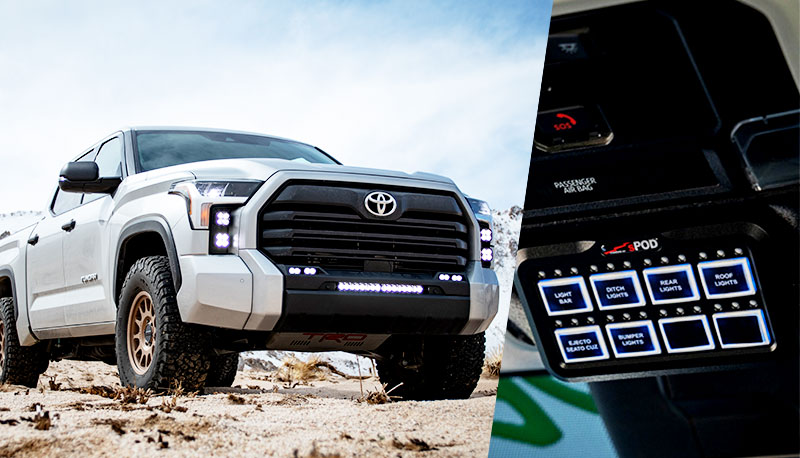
(328, 226)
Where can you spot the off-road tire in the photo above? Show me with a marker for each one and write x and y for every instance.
(20, 365)
(223, 370)
(432, 367)
(180, 352)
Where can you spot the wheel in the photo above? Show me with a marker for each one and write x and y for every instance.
(223, 370)
(433, 367)
(18, 365)
(154, 348)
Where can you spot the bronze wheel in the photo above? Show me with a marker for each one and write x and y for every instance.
(155, 349)
(141, 333)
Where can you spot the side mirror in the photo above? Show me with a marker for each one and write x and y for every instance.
(85, 177)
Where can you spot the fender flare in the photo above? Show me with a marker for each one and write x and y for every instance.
(151, 224)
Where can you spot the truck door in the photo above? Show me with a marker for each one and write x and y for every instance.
(87, 254)
(45, 268)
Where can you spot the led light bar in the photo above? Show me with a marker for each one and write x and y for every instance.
(387, 288)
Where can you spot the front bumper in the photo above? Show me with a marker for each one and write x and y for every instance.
(249, 292)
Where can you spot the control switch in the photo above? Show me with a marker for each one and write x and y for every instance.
(727, 278)
(565, 295)
(741, 329)
(581, 344)
(686, 334)
(671, 284)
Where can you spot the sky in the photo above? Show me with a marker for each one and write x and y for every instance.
(442, 87)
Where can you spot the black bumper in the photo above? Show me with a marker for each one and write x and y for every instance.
(372, 313)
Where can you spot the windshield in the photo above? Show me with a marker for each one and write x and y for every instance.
(159, 148)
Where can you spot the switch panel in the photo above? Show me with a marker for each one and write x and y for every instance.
(645, 306)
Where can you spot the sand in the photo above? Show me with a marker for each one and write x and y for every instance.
(258, 417)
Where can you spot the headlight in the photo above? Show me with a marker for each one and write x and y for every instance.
(201, 195)
(479, 207)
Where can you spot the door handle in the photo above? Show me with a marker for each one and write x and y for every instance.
(68, 226)
(34, 240)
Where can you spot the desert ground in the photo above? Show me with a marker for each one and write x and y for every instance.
(80, 409)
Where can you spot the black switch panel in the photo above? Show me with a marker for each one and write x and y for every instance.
(650, 306)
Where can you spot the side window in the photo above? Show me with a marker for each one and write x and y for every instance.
(66, 201)
(109, 161)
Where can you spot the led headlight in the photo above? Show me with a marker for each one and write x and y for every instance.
(221, 238)
(479, 207)
(201, 195)
(483, 213)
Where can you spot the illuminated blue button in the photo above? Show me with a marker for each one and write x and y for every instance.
(581, 344)
(617, 290)
(727, 278)
(741, 329)
(637, 338)
(685, 334)
(565, 295)
(671, 284)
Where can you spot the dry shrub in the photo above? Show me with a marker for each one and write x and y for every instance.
(295, 370)
(53, 385)
(233, 399)
(133, 395)
(126, 395)
(41, 420)
(491, 366)
(413, 444)
(380, 396)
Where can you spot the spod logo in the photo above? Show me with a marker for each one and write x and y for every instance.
(630, 247)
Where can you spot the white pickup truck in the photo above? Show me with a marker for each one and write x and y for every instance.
(167, 251)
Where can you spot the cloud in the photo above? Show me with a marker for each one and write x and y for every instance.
(448, 88)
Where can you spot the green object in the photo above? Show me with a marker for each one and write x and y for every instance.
(537, 427)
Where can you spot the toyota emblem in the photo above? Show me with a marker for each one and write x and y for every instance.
(380, 203)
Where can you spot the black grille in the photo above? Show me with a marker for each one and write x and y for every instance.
(328, 226)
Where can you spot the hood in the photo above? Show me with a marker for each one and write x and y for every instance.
(262, 169)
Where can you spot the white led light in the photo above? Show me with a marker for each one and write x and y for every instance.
(310, 271)
(486, 235)
(294, 270)
(387, 288)
(487, 254)
(223, 218)
(456, 278)
(222, 240)
(214, 192)
(444, 277)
